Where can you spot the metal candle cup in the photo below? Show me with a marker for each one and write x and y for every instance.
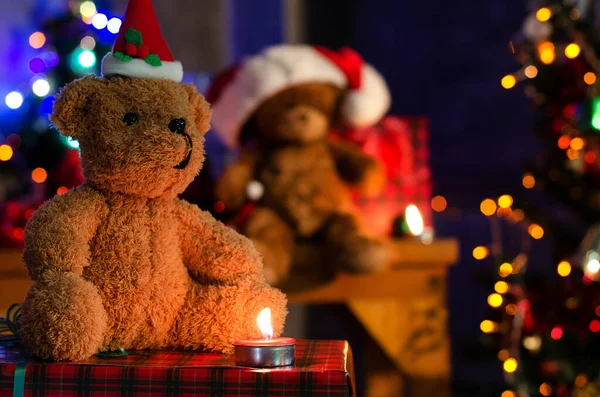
(277, 352)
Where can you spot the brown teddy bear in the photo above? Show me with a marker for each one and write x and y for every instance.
(121, 262)
(280, 106)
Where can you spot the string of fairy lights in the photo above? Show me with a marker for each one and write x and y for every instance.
(82, 60)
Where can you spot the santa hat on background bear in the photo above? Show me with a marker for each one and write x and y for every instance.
(239, 91)
(140, 49)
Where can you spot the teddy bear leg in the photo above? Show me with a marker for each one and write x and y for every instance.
(215, 316)
(274, 239)
(348, 248)
(63, 318)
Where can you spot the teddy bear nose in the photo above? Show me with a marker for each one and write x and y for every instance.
(177, 125)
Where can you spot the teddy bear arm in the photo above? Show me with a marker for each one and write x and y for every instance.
(57, 237)
(358, 168)
(214, 252)
(231, 187)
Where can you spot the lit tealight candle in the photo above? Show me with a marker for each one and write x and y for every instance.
(416, 226)
(268, 351)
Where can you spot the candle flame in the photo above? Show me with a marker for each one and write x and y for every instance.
(414, 220)
(264, 323)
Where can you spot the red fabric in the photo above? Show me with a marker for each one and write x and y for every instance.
(349, 62)
(221, 81)
(140, 16)
(322, 369)
(401, 144)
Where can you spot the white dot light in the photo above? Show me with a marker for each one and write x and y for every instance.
(88, 43)
(114, 25)
(593, 266)
(41, 87)
(255, 190)
(99, 21)
(14, 99)
(87, 59)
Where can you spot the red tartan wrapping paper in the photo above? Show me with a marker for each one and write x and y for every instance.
(402, 146)
(322, 369)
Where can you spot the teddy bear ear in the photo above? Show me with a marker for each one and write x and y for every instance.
(71, 106)
(201, 109)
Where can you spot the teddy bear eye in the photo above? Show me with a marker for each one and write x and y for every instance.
(130, 118)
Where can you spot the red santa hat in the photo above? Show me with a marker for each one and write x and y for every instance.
(140, 49)
(238, 91)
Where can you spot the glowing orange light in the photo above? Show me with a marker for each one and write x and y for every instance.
(535, 231)
(488, 207)
(510, 365)
(546, 52)
(572, 50)
(501, 287)
(577, 143)
(528, 181)
(508, 393)
(556, 333)
(37, 40)
(518, 215)
(581, 380)
(545, 389)
(505, 201)
(531, 71)
(503, 354)
(589, 78)
(505, 269)
(62, 190)
(511, 309)
(495, 300)
(219, 206)
(480, 252)
(595, 326)
(563, 269)
(487, 326)
(6, 152)
(589, 157)
(572, 154)
(508, 81)
(39, 175)
(543, 14)
(564, 142)
(439, 203)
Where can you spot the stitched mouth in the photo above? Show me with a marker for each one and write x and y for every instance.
(186, 160)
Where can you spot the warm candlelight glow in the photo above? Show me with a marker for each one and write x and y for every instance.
(414, 220)
(264, 323)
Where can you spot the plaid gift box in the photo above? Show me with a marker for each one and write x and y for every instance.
(322, 369)
(402, 146)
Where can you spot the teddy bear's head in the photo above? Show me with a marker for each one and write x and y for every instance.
(137, 136)
(301, 114)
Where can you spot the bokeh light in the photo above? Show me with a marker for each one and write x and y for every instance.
(488, 207)
(439, 203)
(505, 201)
(6, 152)
(528, 181)
(572, 50)
(511, 309)
(505, 269)
(589, 78)
(518, 215)
(41, 87)
(88, 43)
(487, 326)
(72, 143)
(577, 143)
(556, 333)
(510, 365)
(14, 100)
(87, 9)
(589, 157)
(501, 287)
(543, 14)
(39, 175)
(595, 326)
(545, 389)
(36, 65)
(480, 252)
(546, 52)
(503, 354)
(581, 380)
(532, 342)
(531, 71)
(37, 40)
(494, 300)
(508, 81)
(535, 231)
(564, 142)
(99, 21)
(87, 59)
(50, 58)
(563, 268)
(508, 393)
(114, 25)
(62, 190)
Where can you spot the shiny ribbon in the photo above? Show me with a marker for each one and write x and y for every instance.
(19, 379)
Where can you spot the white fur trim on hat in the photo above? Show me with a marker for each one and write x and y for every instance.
(139, 68)
(283, 66)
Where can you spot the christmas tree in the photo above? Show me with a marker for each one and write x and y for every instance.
(546, 327)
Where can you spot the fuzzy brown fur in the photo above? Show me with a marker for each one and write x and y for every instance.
(307, 179)
(121, 261)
